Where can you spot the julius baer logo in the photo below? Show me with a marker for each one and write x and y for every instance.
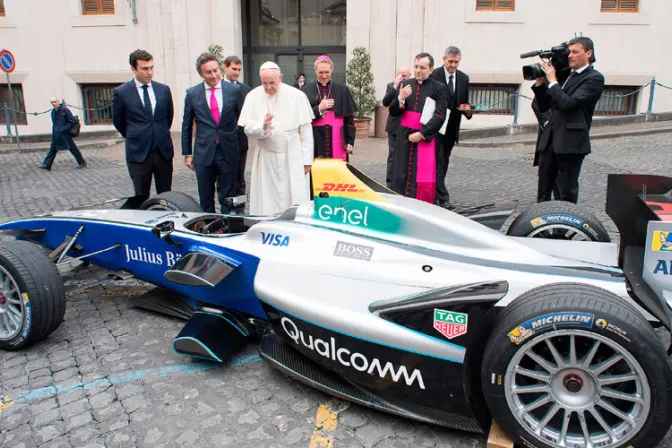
(142, 255)
(331, 350)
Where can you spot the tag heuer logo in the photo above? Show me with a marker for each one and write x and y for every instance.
(349, 250)
(450, 324)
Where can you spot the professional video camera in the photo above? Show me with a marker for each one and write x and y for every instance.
(558, 57)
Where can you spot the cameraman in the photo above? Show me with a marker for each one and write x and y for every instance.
(564, 140)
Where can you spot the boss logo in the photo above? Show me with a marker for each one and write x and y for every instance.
(349, 250)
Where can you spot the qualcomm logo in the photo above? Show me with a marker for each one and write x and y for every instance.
(339, 214)
(331, 350)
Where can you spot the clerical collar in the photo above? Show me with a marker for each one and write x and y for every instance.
(324, 85)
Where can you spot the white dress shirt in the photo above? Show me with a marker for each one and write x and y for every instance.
(141, 92)
(218, 95)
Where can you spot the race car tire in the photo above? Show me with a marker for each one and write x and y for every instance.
(558, 220)
(32, 298)
(171, 200)
(573, 349)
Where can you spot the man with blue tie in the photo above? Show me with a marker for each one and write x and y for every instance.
(142, 112)
(214, 105)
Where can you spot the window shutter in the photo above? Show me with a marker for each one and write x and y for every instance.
(107, 6)
(504, 5)
(620, 5)
(628, 5)
(609, 5)
(89, 6)
(485, 4)
(2, 7)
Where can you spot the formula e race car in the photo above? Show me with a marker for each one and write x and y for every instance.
(398, 304)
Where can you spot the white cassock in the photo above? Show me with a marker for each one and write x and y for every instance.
(278, 179)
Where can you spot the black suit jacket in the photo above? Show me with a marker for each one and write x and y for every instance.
(392, 123)
(461, 96)
(197, 109)
(242, 137)
(141, 131)
(62, 121)
(571, 111)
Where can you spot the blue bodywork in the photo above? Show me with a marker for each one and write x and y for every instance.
(148, 257)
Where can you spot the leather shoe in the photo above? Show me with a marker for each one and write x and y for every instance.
(81, 166)
(45, 168)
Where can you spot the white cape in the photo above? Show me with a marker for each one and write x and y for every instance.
(278, 179)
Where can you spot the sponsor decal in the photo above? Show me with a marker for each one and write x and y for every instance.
(663, 267)
(353, 212)
(602, 324)
(558, 218)
(449, 323)
(159, 218)
(536, 325)
(661, 241)
(332, 350)
(142, 255)
(274, 239)
(349, 188)
(355, 251)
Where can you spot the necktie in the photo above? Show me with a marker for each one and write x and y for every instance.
(214, 107)
(567, 80)
(145, 99)
(450, 85)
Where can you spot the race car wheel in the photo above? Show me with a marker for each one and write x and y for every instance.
(32, 300)
(171, 200)
(575, 366)
(558, 220)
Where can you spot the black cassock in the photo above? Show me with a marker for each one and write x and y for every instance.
(414, 164)
(335, 128)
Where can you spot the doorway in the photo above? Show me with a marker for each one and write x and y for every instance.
(292, 33)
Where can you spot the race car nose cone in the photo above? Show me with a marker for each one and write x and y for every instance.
(573, 383)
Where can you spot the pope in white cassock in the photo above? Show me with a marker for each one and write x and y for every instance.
(279, 118)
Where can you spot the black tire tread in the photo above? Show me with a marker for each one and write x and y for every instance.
(521, 224)
(182, 201)
(43, 284)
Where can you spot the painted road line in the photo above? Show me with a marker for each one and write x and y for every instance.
(5, 403)
(129, 377)
(326, 421)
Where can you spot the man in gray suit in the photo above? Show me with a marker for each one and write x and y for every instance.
(214, 105)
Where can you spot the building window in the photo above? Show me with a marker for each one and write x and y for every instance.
(19, 105)
(495, 5)
(97, 7)
(2, 8)
(620, 6)
(618, 100)
(498, 99)
(97, 100)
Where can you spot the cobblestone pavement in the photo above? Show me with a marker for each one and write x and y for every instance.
(109, 377)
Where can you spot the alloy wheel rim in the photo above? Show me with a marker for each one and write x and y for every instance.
(573, 388)
(12, 309)
(160, 207)
(559, 232)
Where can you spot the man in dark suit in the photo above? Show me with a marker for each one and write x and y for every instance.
(214, 105)
(62, 121)
(142, 112)
(232, 68)
(392, 123)
(565, 140)
(457, 85)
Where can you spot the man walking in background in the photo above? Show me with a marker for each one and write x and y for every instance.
(142, 112)
(62, 121)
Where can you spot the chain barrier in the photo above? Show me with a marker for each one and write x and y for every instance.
(66, 104)
(664, 86)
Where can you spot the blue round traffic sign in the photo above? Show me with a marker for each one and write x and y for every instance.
(7, 61)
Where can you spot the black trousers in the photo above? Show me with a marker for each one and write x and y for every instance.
(443, 150)
(154, 165)
(559, 175)
(240, 177)
(51, 155)
(221, 176)
(391, 143)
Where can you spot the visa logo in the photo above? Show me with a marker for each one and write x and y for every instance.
(273, 239)
(663, 267)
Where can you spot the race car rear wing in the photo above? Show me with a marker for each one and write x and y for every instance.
(632, 201)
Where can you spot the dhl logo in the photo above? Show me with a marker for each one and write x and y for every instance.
(349, 188)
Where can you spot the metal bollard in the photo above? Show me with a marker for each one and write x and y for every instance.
(515, 107)
(651, 94)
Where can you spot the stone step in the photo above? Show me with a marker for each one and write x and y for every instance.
(44, 146)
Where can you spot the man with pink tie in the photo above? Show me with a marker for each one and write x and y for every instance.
(214, 105)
